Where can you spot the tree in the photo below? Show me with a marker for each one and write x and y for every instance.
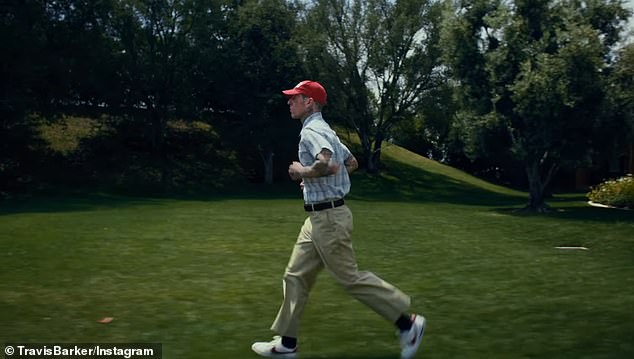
(531, 72)
(617, 129)
(47, 66)
(622, 93)
(262, 61)
(430, 131)
(23, 27)
(378, 59)
(152, 41)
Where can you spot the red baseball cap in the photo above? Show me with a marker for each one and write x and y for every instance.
(310, 89)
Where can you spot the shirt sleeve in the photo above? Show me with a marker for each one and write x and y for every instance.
(346, 152)
(311, 144)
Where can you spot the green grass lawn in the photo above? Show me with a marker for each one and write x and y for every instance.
(203, 276)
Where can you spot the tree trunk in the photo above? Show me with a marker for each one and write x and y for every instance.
(367, 151)
(267, 159)
(630, 166)
(537, 187)
(374, 160)
(157, 131)
(371, 165)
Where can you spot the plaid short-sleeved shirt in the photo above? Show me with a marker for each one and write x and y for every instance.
(316, 135)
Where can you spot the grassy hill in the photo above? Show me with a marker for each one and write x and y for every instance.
(409, 176)
(201, 275)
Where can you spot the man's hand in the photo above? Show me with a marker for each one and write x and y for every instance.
(295, 171)
(351, 164)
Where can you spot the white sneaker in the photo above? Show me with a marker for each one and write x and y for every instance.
(274, 349)
(410, 340)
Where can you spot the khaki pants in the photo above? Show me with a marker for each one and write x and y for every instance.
(324, 241)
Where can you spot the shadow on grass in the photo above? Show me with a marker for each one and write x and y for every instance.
(66, 200)
(585, 213)
(398, 182)
(593, 214)
(70, 203)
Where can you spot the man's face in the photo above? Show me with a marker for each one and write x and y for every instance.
(300, 106)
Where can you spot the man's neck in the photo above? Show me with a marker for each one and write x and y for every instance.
(309, 116)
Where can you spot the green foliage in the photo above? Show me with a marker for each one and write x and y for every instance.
(194, 161)
(618, 115)
(111, 153)
(379, 59)
(531, 72)
(65, 135)
(262, 60)
(526, 74)
(431, 130)
(617, 193)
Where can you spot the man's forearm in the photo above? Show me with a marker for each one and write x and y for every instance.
(318, 169)
(322, 167)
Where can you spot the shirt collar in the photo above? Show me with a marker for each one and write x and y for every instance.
(312, 117)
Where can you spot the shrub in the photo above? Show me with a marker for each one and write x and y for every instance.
(617, 193)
